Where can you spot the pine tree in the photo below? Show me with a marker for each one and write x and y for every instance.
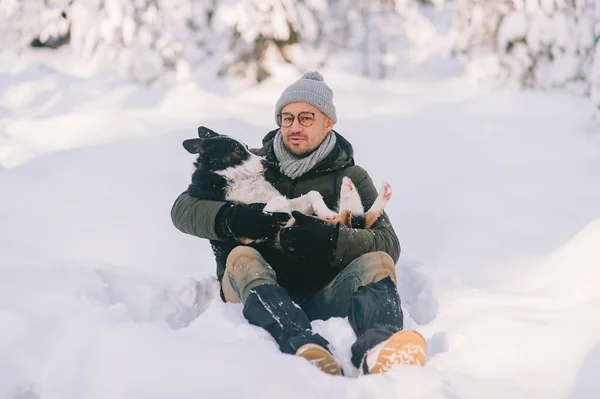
(262, 30)
(148, 39)
(549, 43)
(475, 23)
(34, 21)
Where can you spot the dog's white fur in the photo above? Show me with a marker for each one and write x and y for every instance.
(350, 199)
(248, 185)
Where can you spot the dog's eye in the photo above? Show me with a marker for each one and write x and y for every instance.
(240, 150)
(236, 155)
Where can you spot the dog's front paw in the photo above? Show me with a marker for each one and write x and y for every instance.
(278, 204)
(328, 215)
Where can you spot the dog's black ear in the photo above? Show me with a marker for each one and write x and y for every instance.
(193, 146)
(206, 133)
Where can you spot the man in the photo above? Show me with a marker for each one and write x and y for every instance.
(327, 270)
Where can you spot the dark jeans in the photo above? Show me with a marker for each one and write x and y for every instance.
(364, 291)
(335, 298)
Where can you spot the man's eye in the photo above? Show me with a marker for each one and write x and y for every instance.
(306, 118)
(287, 118)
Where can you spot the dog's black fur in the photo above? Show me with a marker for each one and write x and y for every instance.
(223, 153)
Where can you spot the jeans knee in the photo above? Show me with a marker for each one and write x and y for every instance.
(375, 266)
(240, 258)
(245, 269)
(245, 260)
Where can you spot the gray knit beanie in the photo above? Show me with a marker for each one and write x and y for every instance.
(310, 88)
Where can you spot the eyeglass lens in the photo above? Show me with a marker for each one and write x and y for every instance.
(305, 118)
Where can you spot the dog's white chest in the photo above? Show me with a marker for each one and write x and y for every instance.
(248, 191)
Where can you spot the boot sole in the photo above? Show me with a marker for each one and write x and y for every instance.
(320, 357)
(404, 347)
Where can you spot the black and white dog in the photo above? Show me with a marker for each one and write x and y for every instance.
(227, 171)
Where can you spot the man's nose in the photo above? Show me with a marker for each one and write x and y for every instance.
(296, 126)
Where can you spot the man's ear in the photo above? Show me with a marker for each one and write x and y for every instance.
(193, 146)
(328, 125)
(206, 133)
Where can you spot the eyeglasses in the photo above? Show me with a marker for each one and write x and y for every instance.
(306, 119)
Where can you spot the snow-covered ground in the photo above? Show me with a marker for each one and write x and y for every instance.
(496, 202)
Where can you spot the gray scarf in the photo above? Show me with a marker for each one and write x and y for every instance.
(293, 166)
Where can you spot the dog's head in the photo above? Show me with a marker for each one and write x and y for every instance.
(222, 154)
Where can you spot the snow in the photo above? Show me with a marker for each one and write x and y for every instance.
(496, 203)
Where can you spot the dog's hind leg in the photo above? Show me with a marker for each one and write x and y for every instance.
(350, 204)
(349, 198)
(378, 206)
(346, 217)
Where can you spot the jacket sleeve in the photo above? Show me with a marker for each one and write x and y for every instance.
(353, 243)
(196, 216)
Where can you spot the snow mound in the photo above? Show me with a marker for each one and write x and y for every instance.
(572, 273)
(547, 329)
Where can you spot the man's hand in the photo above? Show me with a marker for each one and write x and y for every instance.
(309, 238)
(250, 221)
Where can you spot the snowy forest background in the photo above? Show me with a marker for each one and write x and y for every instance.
(496, 191)
(524, 43)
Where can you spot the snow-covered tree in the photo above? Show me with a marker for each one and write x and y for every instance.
(150, 39)
(549, 43)
(23, 21)
(340, 21)
(266, 30)
(386, 33)
(147, 39)
(475, 23)
(424, 39)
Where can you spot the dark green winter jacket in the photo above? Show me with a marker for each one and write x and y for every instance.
(197, 217)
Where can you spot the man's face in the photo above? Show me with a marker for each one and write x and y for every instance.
(302, 140)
